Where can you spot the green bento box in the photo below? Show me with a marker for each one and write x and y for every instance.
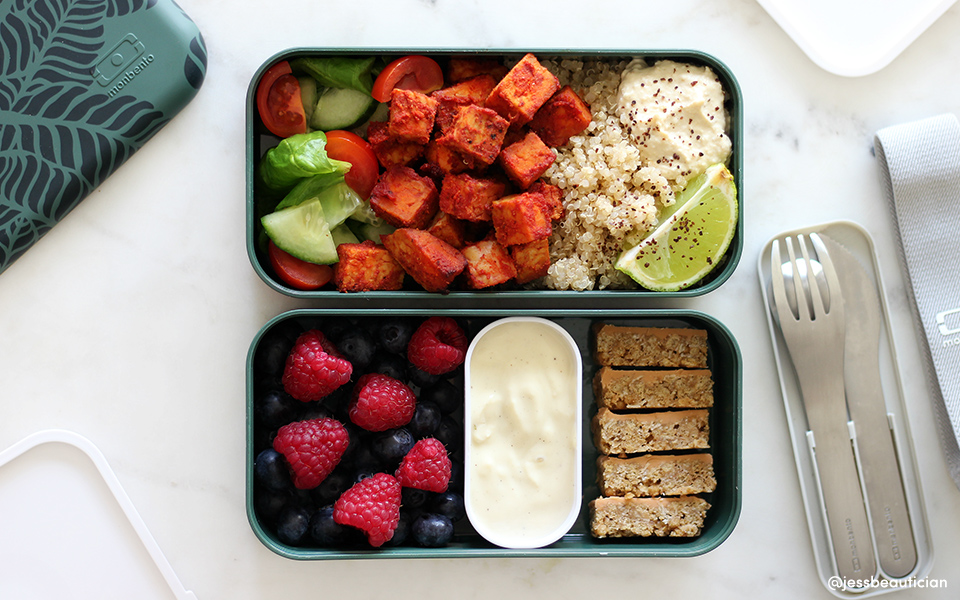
(267, 353)
(460, 293)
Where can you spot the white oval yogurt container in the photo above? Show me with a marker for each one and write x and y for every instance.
(522, 430)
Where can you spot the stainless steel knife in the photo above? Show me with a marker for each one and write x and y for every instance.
(890, 519)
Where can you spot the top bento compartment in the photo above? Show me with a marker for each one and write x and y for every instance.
(605, 188)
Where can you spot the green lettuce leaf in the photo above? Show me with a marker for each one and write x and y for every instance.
(338, 71)
(296, 158)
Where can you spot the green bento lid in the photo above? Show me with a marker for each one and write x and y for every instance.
(83, 85)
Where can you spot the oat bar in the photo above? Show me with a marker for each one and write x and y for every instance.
(635, 433)
(618, 346)
(662, 517)
(620, 389)
(656, 475)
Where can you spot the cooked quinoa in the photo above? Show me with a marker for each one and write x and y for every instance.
(611, 197)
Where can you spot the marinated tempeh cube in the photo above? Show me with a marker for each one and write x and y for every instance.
(432, 263)
(523, 90)
(390, 151)
(519, 219)
(467, 197)
(412, 116)
(531, 259)
(449, 229)
(476, 132)
(526, 160)
(488, 264)
(403, 198)
(564, 115)
(366, 266)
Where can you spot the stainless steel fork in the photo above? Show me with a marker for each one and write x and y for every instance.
(813, 329)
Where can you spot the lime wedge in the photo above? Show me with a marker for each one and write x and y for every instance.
(692, 238)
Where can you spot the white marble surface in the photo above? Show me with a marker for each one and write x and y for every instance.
(130, 321)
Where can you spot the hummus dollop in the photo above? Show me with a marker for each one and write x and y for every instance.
(674, 113)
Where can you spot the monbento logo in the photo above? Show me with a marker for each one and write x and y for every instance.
(948, 322)
(125, 61)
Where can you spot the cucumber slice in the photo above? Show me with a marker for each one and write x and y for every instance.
(341, 109)
(339, 202)
(342, 235)
(308, 95)
(367, 231)
(366, 214)
(302, 230)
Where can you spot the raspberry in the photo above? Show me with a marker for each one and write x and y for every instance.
(312, 449)
(371, 505)
(381, 402)
(426, 466)
(438, 346)
(314, 368)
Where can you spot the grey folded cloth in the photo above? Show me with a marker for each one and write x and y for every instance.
(920, 165)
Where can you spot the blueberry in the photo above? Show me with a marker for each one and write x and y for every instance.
(313, 410)
(332, 486)
(273, 349)
(432, 530)
(389, 364)
(449, 504)
(327, 532)
(361, 474)
(358, 347)
(269, 503)
(413, 498)
(337, 402)
(353, 447)
(274, 408)
(402, 532)
(395, 333)
(422, 378)
(447, 396)
(360, 455)
(426, 419)
(270, 470)
(456, 476)
(293, 525)
(392, 445)
(333, 329)
(450, 433)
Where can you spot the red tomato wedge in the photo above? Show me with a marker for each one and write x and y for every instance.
(364, 167)
(296, 273)
(418, 73)
(279, 103)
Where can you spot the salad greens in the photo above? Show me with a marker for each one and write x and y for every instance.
(338, 71)
(295, 158)
(336, 197)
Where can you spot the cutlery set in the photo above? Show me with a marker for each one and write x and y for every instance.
(829, 315)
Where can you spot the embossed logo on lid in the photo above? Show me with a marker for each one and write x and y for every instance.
(118, 58)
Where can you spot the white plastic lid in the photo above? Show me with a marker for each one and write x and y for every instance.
(70, 531)
(854, 37)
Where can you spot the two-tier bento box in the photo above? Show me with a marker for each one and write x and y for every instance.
(681, 452)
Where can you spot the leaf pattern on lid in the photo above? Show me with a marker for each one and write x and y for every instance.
(61, 132)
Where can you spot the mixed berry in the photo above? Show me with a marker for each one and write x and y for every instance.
(357, 432)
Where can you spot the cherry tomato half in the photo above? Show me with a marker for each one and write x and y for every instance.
(279, 102)
(419, 73)
(296, 273)
(351, 148)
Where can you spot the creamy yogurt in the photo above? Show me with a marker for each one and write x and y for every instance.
(523, 418)
(674, 113)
